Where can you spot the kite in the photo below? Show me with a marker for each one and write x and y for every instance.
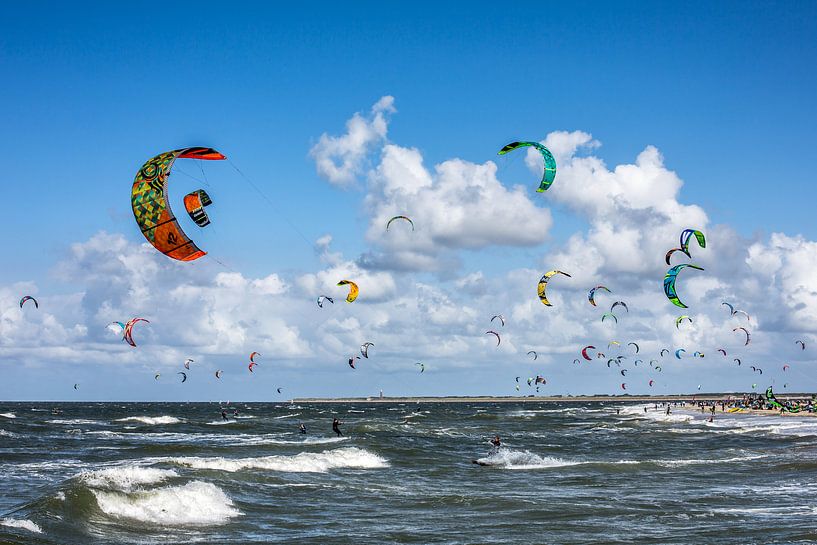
(680, 319)
(323, 298)
(742, 312)
(128, 334)
(619, 303)
(737, 360)
(731, 307)
(802, 344)
(423, 368)
(29, 298)
(678, 353)
(786, 367)
(550, 163)
(637, 349)
(218, 373)
(651, 383)
(352, 361)
(748, 337)
(543, 284)
(353, 290)
(686, 235)
(194, 203)
(722, 351)
(535, 355)
(151, 206)
(252, 356)
(636, 362)
(406, 218)
(609, 315)
(498, 339)
(592, 295)
(279, 390)
(76, 386)
(187, 363)
(116, 327)
(698, 354)
(669, 283)
(613, 343)
(364, 349)
(501, 319)
(576, 361)
(251, 365)
(664, 351)
(658, 368)
(623, 372)
(584, 352)
(156, 376)
(623, 385)
(184, 376)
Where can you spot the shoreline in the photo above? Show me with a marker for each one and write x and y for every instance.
(541, 399)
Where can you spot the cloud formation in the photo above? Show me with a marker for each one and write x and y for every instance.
(339, 159)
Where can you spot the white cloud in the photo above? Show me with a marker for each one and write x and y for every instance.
(461, 205)
(340, 159)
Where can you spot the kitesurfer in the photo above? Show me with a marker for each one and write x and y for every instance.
(302, 428)
(668, 409)
(224, 416)
(496, 442)
(335, 428)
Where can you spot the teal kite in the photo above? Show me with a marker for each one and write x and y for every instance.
(550, 163)
(669, 283)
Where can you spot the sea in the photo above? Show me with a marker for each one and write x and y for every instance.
(579, 472)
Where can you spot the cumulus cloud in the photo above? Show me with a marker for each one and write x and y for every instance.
(460, 205)
(340, 159)
(634, 213)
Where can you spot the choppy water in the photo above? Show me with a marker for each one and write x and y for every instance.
(570, 473)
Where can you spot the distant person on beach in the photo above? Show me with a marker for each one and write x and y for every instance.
(645, 408)
(335, 428)
(667, 409)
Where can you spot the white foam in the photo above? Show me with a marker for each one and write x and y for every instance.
(125, 478)
(522, 459)
(286, 416)
(8, 415)
(305, 462)
(151, 420)
(25, 524)
(193, 504)
(221, 422)
(4, 433)
(74, 421)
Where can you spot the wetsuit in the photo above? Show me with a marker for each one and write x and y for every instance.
(335, 424)
(224, 415)
(303, 429)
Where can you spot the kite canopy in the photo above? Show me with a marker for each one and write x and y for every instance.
(591, 296)
(543, 285)
(151, 207)
(550, 163)
(406, 218)
(669, 283)
(353, 290)
(29, 298)
(194, 203)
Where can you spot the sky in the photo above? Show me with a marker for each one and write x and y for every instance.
(661, 117)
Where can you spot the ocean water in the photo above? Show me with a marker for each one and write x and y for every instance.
(568, 473)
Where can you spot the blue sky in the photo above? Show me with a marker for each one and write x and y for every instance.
(724, 91)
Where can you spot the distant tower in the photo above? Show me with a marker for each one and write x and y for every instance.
(381, 394)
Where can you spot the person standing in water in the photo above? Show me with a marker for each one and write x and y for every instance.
(224, 415)
(335, 428)
(667, 409)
